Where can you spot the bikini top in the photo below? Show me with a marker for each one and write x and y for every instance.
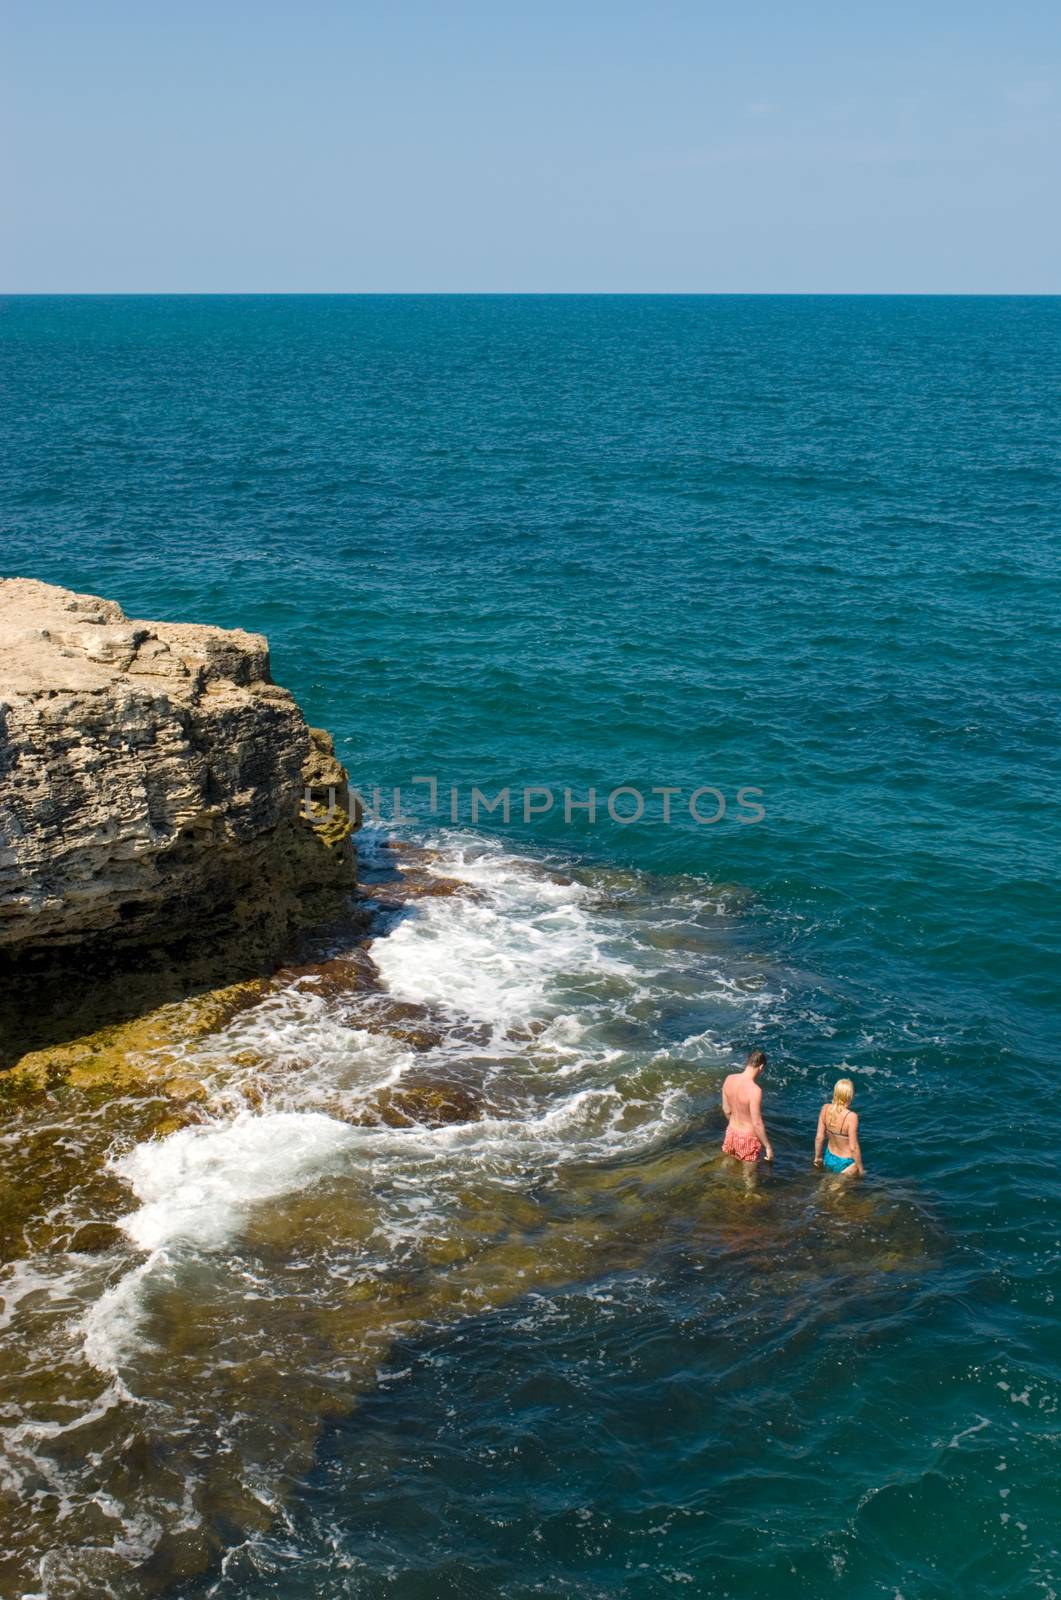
(835, 1133)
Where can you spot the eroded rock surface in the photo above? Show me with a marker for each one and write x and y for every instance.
(151, 782)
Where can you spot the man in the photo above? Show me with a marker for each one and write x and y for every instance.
(742, 1101)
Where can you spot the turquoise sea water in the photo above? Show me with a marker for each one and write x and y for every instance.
(806, 545)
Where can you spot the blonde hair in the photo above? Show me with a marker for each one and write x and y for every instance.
(843, 1092)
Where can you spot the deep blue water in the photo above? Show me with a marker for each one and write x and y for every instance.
(805, 545)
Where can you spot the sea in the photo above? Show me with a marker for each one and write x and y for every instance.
(743, 615)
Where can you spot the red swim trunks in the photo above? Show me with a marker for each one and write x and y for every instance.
(745, 1146)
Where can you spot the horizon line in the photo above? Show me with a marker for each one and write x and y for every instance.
(533, 294)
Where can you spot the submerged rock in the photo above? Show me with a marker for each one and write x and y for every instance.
(428, 1105)
(92, 1238)
(153, 806)
(412, 884)
(336, 978)
(184, 1089)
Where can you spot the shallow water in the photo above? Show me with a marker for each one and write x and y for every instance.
(809, 546)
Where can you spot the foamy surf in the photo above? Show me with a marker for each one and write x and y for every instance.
(195, 1186)
(497, 957)
(525, 947)
(543, 997)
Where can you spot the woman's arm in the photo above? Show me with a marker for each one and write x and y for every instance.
(819, 1138)
(856, 1150)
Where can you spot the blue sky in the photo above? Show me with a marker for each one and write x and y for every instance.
(762, 146)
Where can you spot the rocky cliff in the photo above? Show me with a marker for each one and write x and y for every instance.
(151, 784)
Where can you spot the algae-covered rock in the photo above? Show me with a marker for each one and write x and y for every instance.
(430, 1105)
(93, 1238)
(184, 1089)
(147, 1049)
(336, 978)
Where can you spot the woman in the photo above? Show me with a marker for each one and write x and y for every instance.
(838, 1124)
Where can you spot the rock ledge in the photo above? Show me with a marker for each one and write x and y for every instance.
(151, 783)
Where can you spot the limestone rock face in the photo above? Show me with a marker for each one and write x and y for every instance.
(151, 783)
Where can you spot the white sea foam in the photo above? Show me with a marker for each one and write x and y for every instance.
(304, 1056)
(195, 1188)
(524, 946)
(198, 1186)
(494, 958)
(586, 1123)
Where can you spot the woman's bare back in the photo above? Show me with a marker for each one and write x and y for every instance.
(838, 1125)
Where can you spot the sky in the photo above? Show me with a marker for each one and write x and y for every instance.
(766, 146)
